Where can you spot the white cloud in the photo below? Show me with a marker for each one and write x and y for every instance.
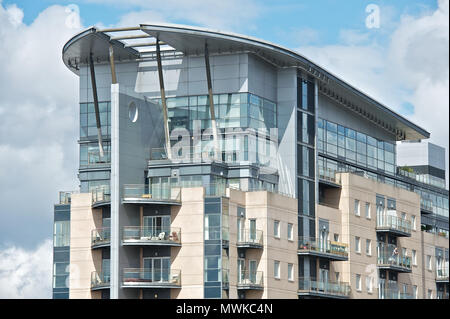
(413, 68)
(38, 131)
(26, 273)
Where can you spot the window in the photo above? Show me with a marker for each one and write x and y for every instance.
(337, 276)
(357, 207)
(61, 233)
(357, 244)
(429, 262)
(368, 210)
(368, 247)
(430, 294)
(414, 257)
(276, 269)
(358, 282)
(276, 228)
(291, 272)
(413, 222)
(369, 284)
(415, 292)
(336, 237)
(290, 231)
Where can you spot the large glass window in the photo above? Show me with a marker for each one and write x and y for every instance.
(61, 233)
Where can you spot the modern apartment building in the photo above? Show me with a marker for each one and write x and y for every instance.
(215, 165)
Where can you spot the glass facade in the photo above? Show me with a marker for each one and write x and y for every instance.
(61, 251)
(355, 147)
(88, 124)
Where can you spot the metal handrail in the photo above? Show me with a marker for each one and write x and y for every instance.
(156, 234)
(393, 222)
(326, 287)
(327, 246)
(245, 236)
(252, 278)
(144, 191)
(155, 276)
(100, 279)
(100, 236)
(387, 256)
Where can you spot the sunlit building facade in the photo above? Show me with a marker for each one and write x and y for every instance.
(214, 165)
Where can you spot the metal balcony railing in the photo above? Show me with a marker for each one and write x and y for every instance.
(389, 256)
(250, 279)
(94, 158)
(157, 193)
(326, 288)
(322, 246)
(101, 194)
(159, 235)
(158, 277)
(329, 175)
(442, 273)
(392, 222)
(100, 280)
(100, 236)
(246, 237)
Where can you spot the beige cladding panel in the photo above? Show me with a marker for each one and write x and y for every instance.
(83, 260)
(189, 257)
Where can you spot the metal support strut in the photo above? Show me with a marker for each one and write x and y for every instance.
(163, 100)
(211, 104)
(97, 113)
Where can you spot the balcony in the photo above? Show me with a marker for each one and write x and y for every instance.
(100, 280)
(250, 280)
(145, 194)
(330, 250)
(323, 289)
(151, 278)
(392, 224)
(94, 159)
(393, 292)
(442, 274)
(250, 239)
(151, 236)
(328, 176)
(426, 205)
(101, 196)
(100, 237)
(389, 259)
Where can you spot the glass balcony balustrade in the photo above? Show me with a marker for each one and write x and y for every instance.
(146, 193)
(390, 257)
(307, 286)
(442, 273)
(100, 236)
(250, 238)
(329, 175)
(100, 280)
(96, 159)
(101, 195)
(156, 277)
(389, 222)
(152, 235)
(250, 280)
(324, 248)
(392, 291)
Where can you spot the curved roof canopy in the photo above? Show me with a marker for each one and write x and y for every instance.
(138, 43)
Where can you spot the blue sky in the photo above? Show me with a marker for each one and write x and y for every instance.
(403, 64)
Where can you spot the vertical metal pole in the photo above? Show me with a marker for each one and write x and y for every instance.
(163, 100)
(211, 104)
(97, 113)
(111, 63)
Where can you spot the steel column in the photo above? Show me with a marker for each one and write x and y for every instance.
(211, 104)
(97, 113)
(163, 100)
